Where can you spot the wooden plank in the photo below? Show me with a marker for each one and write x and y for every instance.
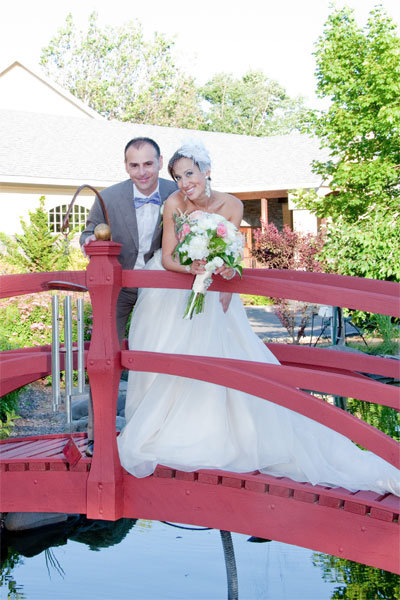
(45, 448)
(72, 452)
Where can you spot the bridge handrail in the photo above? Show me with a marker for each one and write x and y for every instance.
(320, 288)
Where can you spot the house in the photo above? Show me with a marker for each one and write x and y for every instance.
(51, 143)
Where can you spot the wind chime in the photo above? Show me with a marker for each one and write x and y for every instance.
(102, 232)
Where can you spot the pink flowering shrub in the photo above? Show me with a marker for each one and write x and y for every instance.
(293, 250)
(26, 321)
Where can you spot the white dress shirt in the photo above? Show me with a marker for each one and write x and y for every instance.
(146, 217)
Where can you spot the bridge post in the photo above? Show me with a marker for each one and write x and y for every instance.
(103, 280)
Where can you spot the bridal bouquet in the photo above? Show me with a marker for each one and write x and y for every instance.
(210, 237)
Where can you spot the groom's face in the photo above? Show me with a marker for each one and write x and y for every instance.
(143, 167)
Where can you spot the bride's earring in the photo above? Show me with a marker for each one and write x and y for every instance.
(208, 187)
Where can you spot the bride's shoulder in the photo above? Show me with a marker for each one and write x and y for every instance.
(232, 205)
(175, 202)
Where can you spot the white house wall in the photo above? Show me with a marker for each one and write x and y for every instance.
(16, 203)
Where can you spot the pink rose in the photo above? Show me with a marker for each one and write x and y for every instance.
(185, 230)
(221, 230)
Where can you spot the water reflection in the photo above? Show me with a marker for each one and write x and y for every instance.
(357, 582)
(82, 559)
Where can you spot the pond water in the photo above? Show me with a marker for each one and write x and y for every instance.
(150, 560)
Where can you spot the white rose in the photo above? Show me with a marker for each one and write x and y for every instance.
(198, 247)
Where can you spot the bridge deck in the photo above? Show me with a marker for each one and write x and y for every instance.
(50, 474)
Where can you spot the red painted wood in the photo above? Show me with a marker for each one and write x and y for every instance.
(25, 365)
(337, 359)
(28, 283)
(262, 505)
(362, 526)
(320, 288)
(104, 490)
(72, 452)
(222, 372)
(281, 518)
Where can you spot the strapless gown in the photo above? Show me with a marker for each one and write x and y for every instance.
(189, 425)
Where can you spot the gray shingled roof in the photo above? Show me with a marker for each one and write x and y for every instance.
(51, 149)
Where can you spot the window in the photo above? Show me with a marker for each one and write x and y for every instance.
(77, 218)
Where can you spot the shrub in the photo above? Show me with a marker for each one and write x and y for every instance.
(289, 250)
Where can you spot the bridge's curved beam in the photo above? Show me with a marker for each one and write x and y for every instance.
(333, 521)
(325, 382)
(29, 283)
(224, 372)
(25, 365)
(335, 359)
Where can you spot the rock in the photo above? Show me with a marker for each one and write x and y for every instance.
(80, 425)
(20, 521)
(79, 408)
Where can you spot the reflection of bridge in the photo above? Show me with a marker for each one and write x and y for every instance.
(49, 473)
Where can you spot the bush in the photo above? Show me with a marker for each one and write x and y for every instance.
(289, 250)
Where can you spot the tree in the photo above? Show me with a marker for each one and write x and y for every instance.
(251, 105)
(121, 75)
(359, 70)
(367, 247)
(37, 249)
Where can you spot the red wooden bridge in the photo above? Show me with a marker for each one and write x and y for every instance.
(52, 474)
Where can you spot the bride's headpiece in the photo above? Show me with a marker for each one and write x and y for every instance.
(196, 150)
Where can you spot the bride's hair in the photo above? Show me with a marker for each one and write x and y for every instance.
(195, 150)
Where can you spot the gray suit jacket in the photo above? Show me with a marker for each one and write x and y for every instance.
(121, 211)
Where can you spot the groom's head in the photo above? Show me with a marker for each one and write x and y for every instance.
(143, 163)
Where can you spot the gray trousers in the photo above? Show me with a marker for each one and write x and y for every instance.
(125, 303)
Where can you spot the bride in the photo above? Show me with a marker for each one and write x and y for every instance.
(188, 424)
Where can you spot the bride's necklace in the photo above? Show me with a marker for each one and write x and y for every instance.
(202, 208)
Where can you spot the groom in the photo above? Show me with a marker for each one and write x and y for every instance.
(133, 208)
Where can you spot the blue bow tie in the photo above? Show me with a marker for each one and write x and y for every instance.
(153, 199)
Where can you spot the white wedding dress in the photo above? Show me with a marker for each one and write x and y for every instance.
(189, 425)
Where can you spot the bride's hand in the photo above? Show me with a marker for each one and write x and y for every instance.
(225, 299)
(197, 267)
(226, 272)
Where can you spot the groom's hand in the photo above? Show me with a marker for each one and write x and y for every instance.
(90, 238)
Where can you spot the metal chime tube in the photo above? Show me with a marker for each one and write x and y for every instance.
(55, 352)
(81, 362)
(68, 356)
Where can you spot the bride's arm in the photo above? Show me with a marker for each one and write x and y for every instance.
(225, 271)
(170, 241)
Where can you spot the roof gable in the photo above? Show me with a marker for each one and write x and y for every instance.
(27, 89)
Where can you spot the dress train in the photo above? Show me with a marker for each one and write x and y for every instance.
(189, 425)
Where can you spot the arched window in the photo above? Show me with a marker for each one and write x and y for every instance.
(77, 218)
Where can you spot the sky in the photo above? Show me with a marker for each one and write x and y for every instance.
(211, 36)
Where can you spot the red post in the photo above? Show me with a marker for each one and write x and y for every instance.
(103, 280)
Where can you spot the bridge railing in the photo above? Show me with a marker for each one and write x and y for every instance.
(331, 372)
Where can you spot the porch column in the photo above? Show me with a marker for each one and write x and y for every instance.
(264, 210)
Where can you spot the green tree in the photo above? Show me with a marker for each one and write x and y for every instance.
(121, 75)
(359, 71)
(250, 105)
(36, 249)
(367, 247)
